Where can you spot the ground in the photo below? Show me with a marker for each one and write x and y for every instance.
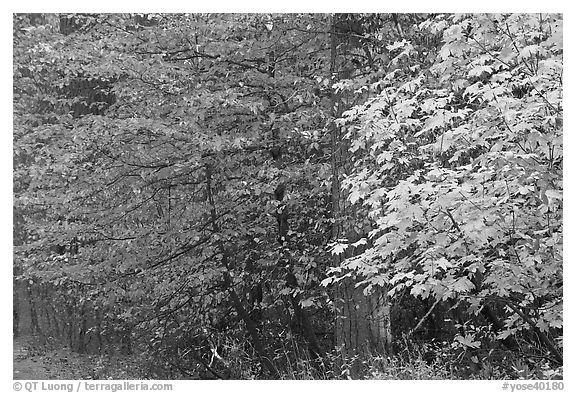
(33, 362)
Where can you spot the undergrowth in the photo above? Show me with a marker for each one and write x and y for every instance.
(414, 362)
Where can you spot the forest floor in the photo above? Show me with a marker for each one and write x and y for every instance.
(31, 363)
(34, 362)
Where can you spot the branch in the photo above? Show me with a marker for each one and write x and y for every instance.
(454, 223)
(424, 317)
(549, 343)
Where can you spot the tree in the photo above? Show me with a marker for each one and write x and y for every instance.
(154, 155)
(359, 58)
(457, 163)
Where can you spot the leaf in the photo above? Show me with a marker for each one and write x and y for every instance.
(396, 45)
(542, 325)
(479, 70)
(307, 302)
(339, 248)
(530, 50)
(421, 290)
(360, 242)
(468, 341)
(463, 284)
(554, 194)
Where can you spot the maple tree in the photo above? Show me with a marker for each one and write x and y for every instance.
(185, 183)
(458, 168)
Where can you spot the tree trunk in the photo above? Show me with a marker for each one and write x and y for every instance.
(362, 321)
(15, 309)
(81, 346)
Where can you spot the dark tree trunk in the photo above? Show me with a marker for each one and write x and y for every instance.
(363, 322)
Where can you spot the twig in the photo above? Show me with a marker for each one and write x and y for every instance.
(419, 324)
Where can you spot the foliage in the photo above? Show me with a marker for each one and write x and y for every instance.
(176, 178)
(458, 166)
(165, 179)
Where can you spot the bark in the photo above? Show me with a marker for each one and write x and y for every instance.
(81, 347)
(15, 310)
(34, 326)
(362, 321)
(301, 322)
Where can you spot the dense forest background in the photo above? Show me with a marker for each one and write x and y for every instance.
(293, 196)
